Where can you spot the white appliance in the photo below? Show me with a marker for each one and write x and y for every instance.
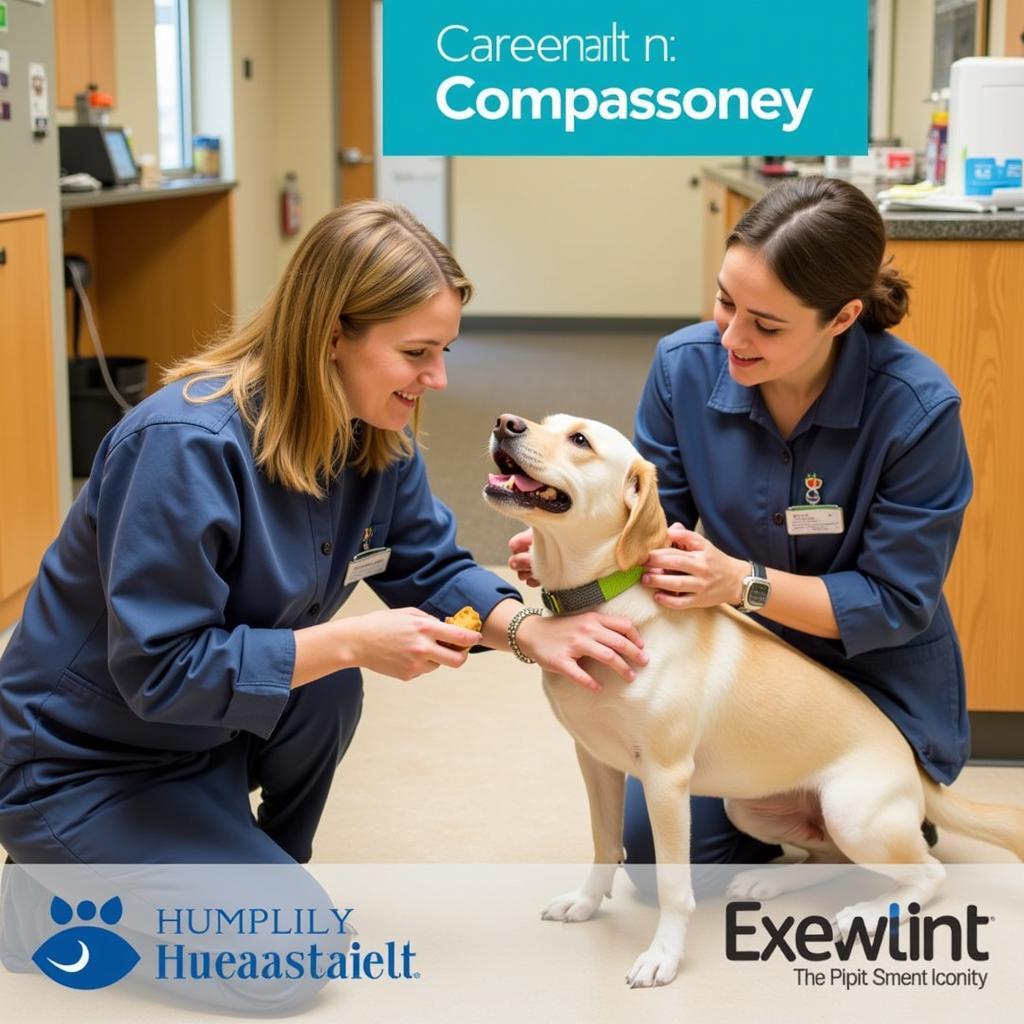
(985, 149)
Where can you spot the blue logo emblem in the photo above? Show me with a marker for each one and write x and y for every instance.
(86, 957)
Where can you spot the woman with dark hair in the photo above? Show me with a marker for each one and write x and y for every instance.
(825, 461)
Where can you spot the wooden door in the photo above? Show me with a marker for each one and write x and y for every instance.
(714, 234)
(28, 442)
(722, 209)
(354, 19)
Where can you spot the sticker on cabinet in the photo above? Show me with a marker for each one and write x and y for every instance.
(38, 102)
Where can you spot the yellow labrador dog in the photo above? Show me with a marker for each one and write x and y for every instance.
(698, 720)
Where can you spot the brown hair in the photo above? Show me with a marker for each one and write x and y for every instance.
(363, 263)
(825, 241)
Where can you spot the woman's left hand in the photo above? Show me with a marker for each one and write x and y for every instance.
(561, 642)
(693, 573)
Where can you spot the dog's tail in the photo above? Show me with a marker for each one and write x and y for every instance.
(1001, 824)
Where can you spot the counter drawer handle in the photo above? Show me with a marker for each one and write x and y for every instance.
(3, 256)
(714, 207)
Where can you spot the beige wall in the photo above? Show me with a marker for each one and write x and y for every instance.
(579, 236)
(283, 117)
(913, 42)
(284, 121)
(256, 235)
(304, 120)
(135, 60)
(997, 28)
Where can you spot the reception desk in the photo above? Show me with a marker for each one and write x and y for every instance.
(161, 260)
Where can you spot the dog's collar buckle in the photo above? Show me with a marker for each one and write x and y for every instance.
(578, 599)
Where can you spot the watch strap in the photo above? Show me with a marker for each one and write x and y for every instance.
(757, 573)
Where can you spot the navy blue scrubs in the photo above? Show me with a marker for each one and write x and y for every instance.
(885, 440)
(146, 688)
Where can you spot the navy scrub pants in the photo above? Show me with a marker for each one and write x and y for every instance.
(195, 810)
(714, 840)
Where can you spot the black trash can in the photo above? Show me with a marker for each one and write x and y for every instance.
(94, 412)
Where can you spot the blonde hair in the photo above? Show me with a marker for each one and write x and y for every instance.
(364, 262)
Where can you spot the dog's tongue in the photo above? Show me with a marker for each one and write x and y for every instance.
(523, 483)
(527, 483)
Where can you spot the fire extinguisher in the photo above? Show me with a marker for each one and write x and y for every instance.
(291, 205)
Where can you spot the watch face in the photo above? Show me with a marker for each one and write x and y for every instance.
(757, 593)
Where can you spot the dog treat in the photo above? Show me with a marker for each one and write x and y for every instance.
(467, 618)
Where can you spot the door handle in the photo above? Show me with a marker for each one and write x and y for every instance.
(353, 156)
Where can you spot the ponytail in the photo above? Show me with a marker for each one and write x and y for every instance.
(888, 301)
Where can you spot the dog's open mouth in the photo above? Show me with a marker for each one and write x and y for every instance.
(512, 484)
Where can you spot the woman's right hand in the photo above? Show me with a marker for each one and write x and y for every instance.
(403, 642)
(521, 561)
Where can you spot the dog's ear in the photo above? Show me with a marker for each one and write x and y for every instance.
(646, 526)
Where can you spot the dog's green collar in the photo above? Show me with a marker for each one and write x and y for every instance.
(562, 602)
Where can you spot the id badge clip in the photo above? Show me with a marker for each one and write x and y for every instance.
(813, 518)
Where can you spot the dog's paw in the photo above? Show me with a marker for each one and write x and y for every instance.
(870, 911)
(757, 884)
(577, 905)
(656, 965)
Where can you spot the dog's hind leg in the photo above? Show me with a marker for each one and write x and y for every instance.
(606, 791)
(882, 831)
(667, 790)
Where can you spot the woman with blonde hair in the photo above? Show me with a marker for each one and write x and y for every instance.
(162, 666)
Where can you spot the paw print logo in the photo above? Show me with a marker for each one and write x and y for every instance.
(85, 957)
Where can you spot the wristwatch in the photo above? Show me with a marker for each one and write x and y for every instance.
(756, 589)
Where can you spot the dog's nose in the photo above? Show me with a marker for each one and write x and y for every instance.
(508, 425)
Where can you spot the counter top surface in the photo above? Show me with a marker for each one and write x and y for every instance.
(175, 188)
(1006, 225)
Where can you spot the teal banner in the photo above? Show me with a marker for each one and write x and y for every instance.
(605, 78)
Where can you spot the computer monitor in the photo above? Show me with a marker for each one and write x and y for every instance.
(120, 155)
(99, 150)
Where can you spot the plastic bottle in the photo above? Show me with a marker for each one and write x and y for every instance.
(935, 151)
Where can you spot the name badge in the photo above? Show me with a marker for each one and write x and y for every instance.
(367, 563)
(803, 520)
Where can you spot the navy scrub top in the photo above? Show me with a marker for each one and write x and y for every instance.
(161, 620)
(885, 439)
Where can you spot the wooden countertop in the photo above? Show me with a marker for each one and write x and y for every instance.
(924, 225)
(174, 188)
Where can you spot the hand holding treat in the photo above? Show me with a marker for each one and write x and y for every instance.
(465, 618)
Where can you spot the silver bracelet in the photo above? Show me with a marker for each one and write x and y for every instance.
(513, 628)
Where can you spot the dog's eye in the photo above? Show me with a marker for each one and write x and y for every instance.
(579, 440)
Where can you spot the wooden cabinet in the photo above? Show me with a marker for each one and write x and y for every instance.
(28, 444)
(85, 48)
(161, 268)
(966, 308)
